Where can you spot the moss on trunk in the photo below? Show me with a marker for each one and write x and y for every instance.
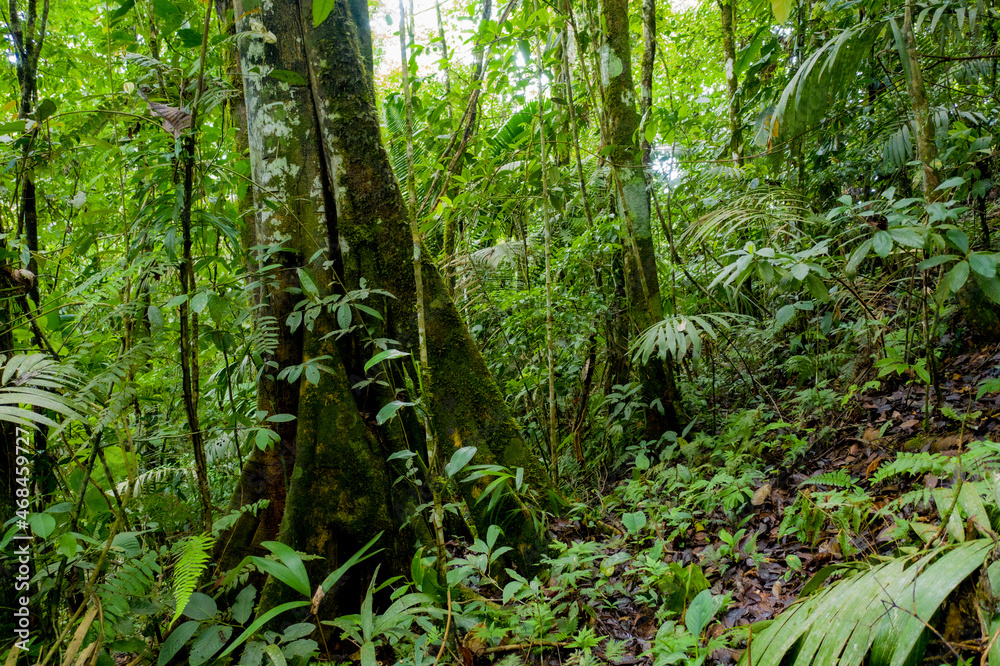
(641, 280)
(315, 147)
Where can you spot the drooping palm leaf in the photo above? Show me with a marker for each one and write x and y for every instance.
(883, 611)
(30, 381)
(826, 74)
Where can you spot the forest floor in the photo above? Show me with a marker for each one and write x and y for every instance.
(765, 575)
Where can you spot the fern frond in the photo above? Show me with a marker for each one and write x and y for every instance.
(189, 568)
(837, 479)
(915, 464)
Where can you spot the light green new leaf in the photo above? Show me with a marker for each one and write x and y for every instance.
(322, 9)
(782, 10)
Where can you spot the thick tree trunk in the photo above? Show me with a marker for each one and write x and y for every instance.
(317, 146)
(641, 279)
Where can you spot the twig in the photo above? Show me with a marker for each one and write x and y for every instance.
(447, 627)
(524, 646)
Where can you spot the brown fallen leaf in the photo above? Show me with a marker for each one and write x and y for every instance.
(761, 495)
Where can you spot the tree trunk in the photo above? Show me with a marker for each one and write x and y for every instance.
(727, 10)
(27, 35)
(641, 280)
(926, 148)
(343, 220)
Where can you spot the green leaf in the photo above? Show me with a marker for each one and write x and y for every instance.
(44, 109)
(257, 624)
(322, 9)
(200, 301)
(299, 579)
(900, 48)
(243, 606)
(280, 418)
(459, 460)
(950, 183)
(382, 356)
(306, 281)
(956, 277)
(511, 589)
(124, 9)
(155, 316)
(189, 38)
(782, 10)
(984, 264)
(177, 639)
(344, 316)
(67, 545)
(634, 522)
(931, 262)
(210, 642)
(312, 374)
(817, 288)
(359, 556)
(800, 271)
(289, 77)
(859, 254)
(990, 287)
(906, 236)
(958, 239)
(42, 524)
(390, 410)
(200, 606)
(274, 654)
(882, 244)
(699, 613)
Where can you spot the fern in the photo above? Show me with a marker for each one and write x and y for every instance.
(838, 479)
(134, 579)
(188, 570)
(915, 464)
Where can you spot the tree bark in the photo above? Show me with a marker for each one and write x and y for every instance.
(318, 146)
(926, 148)
(727, 11)
(641, 280)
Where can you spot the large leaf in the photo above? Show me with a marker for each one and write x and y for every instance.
(782, 10)
(828, 72)
(884, 611)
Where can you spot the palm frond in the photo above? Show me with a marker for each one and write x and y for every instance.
(678, 334)
(884, 612)
(31, 382)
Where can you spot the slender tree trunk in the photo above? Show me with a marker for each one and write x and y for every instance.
(27, 36)
(641, 279)
(646, 78)
(727, 10)
(926, 148)
(343, 220)
(550, 345)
